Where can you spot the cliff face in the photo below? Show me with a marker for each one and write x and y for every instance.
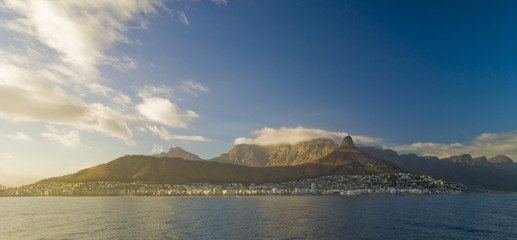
(317, 151)
(247, 155)
(278, 155)
(304, 152)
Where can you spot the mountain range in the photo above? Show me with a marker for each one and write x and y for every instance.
(344, 159)
(248, 163)
(496, 173)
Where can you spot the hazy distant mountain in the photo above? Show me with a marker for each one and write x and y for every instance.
(178, 152)
(497, 173)
(278, 155)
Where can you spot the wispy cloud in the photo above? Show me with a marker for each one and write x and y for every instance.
(91, 27)
(66, 137)
(157, 148)
(162, 132)
(55, 69)
(7, 156)
(220, 2)
(192, 87)
(20, 136)
(165, 134)
(486, 144)
(49, 75)
(284, 135)
(152, 91)
(183, 17)
(192, 138)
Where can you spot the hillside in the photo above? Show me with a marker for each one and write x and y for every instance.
(346, 159)
(151, 169)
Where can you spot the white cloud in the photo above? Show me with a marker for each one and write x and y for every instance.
(121, 99)
(20, 136)
(191, 87)
(157, 148)
(153, 91)
(40, 101)
(487, 144)
(192, 138)
(80, 31)
(165, 134)
(35, 100)
(53, 72)
(366, 141)
(163, 111)
(66, 137)
(220, 2)
(162, 132)
(156, 107)
(284, 135)
(183, 17)
(141, 129)
(55, 65)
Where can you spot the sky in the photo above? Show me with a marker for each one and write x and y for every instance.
(85, 82)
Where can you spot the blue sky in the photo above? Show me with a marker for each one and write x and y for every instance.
(84, 83)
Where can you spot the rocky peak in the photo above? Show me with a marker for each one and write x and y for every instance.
(178, 152)
(347, 142)
(500, 159)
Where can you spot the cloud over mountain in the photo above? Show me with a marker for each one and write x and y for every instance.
(284, 135)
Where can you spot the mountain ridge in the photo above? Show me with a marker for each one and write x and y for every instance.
(150, 169)
(346, 159)
(496, 173)
(314, 158)
(278, 155)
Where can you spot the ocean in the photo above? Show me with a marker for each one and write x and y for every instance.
(477, 216)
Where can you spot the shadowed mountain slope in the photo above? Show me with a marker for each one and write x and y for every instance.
(348, 154)
(497, 173)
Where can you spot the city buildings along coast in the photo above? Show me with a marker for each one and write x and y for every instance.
(379, 184)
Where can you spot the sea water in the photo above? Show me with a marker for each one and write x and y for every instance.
(478, 216)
